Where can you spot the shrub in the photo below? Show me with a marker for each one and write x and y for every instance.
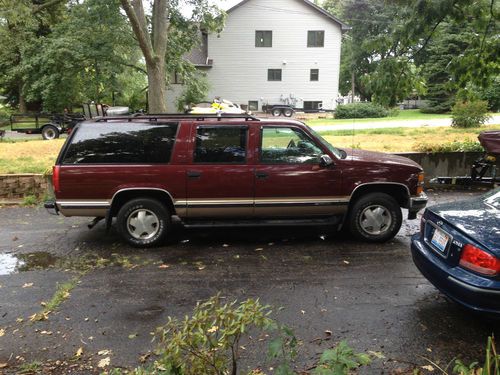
(455, 146)
(470, 114)
(360, 110)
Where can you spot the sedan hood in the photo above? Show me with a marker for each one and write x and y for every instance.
(380, 157)
(479, 218)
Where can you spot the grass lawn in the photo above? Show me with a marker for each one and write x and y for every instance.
(409, 114)
(35, 156)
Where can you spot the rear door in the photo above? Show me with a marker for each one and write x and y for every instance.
(220, 179)
(289, 179)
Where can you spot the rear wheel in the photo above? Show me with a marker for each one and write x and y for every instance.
(375, 217)
(50, 132)
(276, 112)
(288, 112)
(144, 222)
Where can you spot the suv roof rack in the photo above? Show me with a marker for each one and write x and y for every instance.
(197, 117)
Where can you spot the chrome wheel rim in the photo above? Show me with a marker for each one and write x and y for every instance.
(375, 220)
(143, 224)
(50, 134)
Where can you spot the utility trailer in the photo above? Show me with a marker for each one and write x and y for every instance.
(279, 109)
(484, 170)
(51, 126)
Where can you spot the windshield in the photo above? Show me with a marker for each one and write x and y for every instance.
(339, 154)
(493, 199)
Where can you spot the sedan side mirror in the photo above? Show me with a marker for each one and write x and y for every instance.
(325, 161)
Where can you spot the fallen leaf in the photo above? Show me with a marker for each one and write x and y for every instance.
(164, 266)
(428, 368)
(103, 352)
(144, 358)
(4, 365)
(346, 262)
(213, 329)
(429, 350)
(79, 352)
(27, 285)
(19, 320)
(303, 312)
(225, 245)
(378, 355)
(46, 333)
(132, 336)
(104, 362)
(328, 332)
(259, 249)
(2, 332)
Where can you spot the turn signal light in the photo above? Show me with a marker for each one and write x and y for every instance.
(420, 184)
(55, 178)
(480, 261)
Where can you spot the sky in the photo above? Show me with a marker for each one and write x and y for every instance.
(226, 4)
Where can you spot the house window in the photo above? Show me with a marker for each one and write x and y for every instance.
(263, 38)
(274, 74)
(253, 105)
(176, 78)
(313, 105)
(314, 75)
(316, 38)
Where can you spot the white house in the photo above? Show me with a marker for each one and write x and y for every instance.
(273, 52)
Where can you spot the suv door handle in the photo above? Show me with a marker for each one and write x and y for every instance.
(194, 174)
(261, 175)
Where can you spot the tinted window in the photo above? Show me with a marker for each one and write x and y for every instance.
(263, 38)
(121, 143)
(288, 146)
(225, 145)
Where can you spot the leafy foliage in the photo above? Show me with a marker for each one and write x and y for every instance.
(491, 364)
(469, 114)
(360, 110)
(340, 361)
(195, 91)
(455, 146)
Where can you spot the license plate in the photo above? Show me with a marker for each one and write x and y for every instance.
(440, 240)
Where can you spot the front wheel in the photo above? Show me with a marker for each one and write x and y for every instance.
(50, 132)
(143, 222)
(375, 217)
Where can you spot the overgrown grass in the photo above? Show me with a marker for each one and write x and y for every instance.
(33, 156)
(61, 294)
(406, 139)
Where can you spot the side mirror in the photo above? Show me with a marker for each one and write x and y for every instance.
(325, 161)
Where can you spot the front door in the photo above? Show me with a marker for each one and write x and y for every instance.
(289, 179)
(220, 180)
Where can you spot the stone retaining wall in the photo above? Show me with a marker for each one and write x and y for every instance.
(16, 186)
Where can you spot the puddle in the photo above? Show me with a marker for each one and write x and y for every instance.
(14, 263)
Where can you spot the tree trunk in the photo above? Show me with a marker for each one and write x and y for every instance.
(157, 89)
(22, 102)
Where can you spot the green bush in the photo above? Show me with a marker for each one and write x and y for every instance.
(455, 146)
(360, 110)
(470, 114)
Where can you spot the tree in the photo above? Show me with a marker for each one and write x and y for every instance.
(22, 24)
(166, 36)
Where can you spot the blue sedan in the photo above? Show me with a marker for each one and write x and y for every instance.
(458, 251)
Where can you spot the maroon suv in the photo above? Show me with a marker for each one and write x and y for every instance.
(228, 171)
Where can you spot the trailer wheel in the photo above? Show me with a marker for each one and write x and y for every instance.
(288, 112)
(276, 112)
(50, 132)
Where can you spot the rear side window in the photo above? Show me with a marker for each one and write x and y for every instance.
(223, 145)
(121, 143)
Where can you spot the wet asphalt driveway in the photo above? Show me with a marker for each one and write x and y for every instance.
(369, 295)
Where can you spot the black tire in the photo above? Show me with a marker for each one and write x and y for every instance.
(50, 132)
(276, 112)
(288, 112)
(155, 222)
(362, 219)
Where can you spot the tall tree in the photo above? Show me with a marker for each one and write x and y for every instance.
(165, 33)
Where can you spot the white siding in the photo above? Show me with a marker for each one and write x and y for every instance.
(239, 70)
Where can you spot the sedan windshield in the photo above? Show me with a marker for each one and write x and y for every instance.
(493, 199)
(338, 153)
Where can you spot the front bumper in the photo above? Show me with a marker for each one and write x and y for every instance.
(459, 285)
(51, 207)
(416, 204)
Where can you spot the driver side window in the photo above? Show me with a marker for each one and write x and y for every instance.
(282, 145)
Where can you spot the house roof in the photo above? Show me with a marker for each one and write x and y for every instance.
(343, 25)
